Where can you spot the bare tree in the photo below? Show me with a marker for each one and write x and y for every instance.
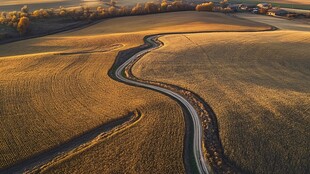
(24, 9)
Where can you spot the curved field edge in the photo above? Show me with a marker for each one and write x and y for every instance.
(290, 85)
(136, 116)
(188, 156)
(77, 144)
(213, 148)
(103, 88)
(212, 144)
(94, 58)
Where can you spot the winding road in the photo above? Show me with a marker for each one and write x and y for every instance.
(198, 131)
(201, 163)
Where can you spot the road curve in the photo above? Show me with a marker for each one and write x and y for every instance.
(198, 131)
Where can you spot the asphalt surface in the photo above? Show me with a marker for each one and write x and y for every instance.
(198, 132)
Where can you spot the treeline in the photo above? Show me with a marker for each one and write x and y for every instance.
(21, 19)
(16, 19)
(210, 6)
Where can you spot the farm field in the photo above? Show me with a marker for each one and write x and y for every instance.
(256, 83)
(56, 87)
(288, 2)
(291, 4)
(303, 2)
(13, 5)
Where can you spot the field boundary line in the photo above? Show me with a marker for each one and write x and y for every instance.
(211, 146)
(74, 146)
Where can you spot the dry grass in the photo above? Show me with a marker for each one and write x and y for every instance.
(15, 2)
(297, 2)
(257, 84)
(47, 98)
(306, 2)
(11, 5)
(283, 24)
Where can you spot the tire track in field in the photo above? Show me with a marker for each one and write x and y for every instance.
(74, 146)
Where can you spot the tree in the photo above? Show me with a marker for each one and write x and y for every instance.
(99, 9)
(23, 25)
(150, 7)
(164, 6)
(112, 3)
(137, 10)
(262, 11)
(44, 13)
(176, 5)
(93, 15)
(205, 7)
(24, 9)
(2, 20)
(123, 11)
(224, 3)
(112, 11)
(101, 12)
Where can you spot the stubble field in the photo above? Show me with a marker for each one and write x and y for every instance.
(257, 84)
(48, 98)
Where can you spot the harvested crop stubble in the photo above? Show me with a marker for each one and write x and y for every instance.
(47, 97)
(257, 84)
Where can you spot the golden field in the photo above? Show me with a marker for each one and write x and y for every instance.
(12, 5)
(48, 98)
(257, 84)
(306, 2)
(15, 2)
(76, 2)
(303, 2)
(15, 5)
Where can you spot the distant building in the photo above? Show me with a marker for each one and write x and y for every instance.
(247, 7)
(255, 10)
(277, 12)
(234, 7)
(264, 5)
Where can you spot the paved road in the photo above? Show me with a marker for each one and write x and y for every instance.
(198, 132)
